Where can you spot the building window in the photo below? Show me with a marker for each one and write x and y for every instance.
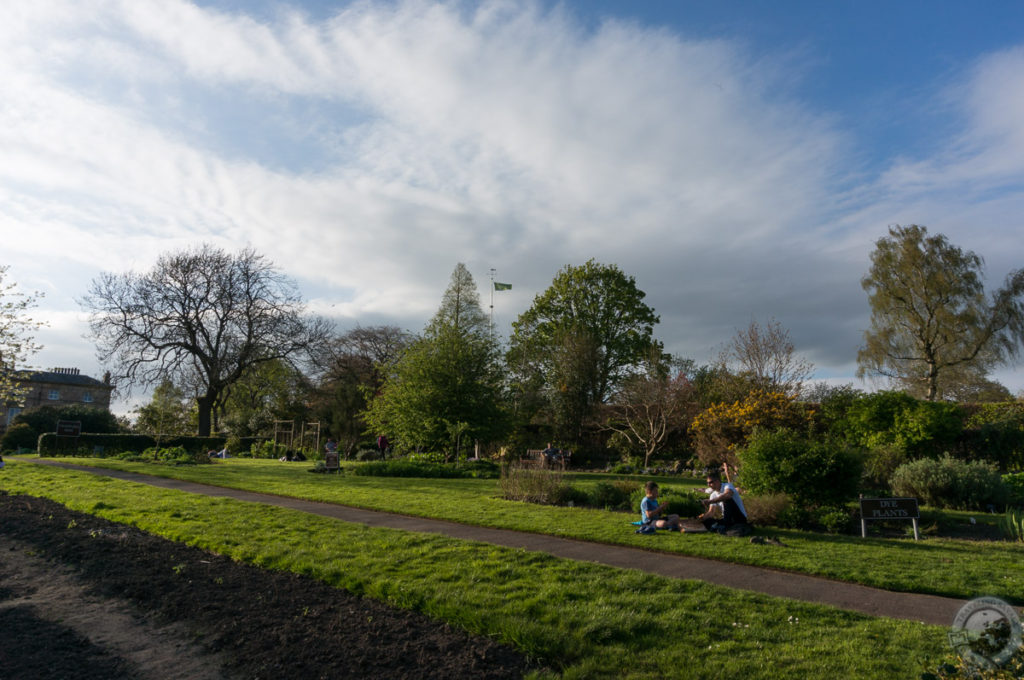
(54, 395)
(87, 397)
(11, 412)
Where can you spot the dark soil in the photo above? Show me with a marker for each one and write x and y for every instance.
(232, 619)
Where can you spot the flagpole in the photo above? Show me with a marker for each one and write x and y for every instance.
(491, 318)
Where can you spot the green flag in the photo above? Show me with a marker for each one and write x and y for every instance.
(502, 286)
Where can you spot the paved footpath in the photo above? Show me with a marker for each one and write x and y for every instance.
(915, 607)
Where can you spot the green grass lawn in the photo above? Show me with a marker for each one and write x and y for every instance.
(954, 568)
(580, 620)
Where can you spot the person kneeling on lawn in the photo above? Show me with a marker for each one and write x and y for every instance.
(726, 499)
(651, 513)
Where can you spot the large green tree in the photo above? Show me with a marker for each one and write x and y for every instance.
(201, 318)
(931, 320)
(446, 388)
(579, 340)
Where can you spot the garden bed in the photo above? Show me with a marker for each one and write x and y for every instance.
(91, 599)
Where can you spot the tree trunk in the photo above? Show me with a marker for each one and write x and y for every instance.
(933, 382)
(205, 406)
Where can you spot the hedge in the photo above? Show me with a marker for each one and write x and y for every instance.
(89, 444)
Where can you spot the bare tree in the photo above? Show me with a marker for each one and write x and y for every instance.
(651, 406)
(201, 317)
(365, 350)
(766, 357)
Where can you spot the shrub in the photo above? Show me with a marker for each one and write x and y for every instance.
(896, 419)
(533, 486)
(177, 455)
(869, 419)
(834, 520)
(233, 444)
(812, 472)
(1012, 525)
(94, 419)
(572, 495)
(881, 462)
(997, 412)
(19, 436)
(1000, 443)
(404, 468)
(101, 445)
(995, 432)
(267, 449)
(615, 495)
(1015, 488)
(794, 517)
(723, 428)
(834, 404)
(928, 428)
(951, 483)
(682, 503)
(481, 469)
(764, 510)
(424, 457)
(238, 446)
(374, 454)
(401, 468)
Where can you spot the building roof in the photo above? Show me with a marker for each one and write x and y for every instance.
(67, 376)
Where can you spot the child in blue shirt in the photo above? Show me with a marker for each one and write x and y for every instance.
(651, 512)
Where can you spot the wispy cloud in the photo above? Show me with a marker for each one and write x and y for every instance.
(370, 151)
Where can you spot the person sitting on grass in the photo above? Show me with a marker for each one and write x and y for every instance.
(651, 512)
(724, 499)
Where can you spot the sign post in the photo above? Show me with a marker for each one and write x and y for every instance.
(888, 509)
(68, 432)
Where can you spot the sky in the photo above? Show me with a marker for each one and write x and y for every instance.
(739, 159)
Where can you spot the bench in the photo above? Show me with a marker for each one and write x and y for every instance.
(536, 458)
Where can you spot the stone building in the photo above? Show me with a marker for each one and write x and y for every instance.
(62, 387)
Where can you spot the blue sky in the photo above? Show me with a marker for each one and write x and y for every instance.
(738, 158)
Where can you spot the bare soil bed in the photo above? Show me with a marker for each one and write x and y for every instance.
(86, 599)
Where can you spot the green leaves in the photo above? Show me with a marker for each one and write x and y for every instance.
(932, 325)
(445, 390)
(16, 343)
(581, 338)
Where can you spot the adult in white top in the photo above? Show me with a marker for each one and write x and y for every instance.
(725, 499)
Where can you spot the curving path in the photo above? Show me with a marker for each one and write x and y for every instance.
(930, 609)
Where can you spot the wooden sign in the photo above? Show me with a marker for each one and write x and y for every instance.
(69, 428)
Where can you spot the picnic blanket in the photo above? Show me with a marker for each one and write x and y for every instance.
(688, 526)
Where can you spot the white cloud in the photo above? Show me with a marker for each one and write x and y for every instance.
(500, 134)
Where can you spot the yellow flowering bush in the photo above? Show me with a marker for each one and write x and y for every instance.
(722, 428)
